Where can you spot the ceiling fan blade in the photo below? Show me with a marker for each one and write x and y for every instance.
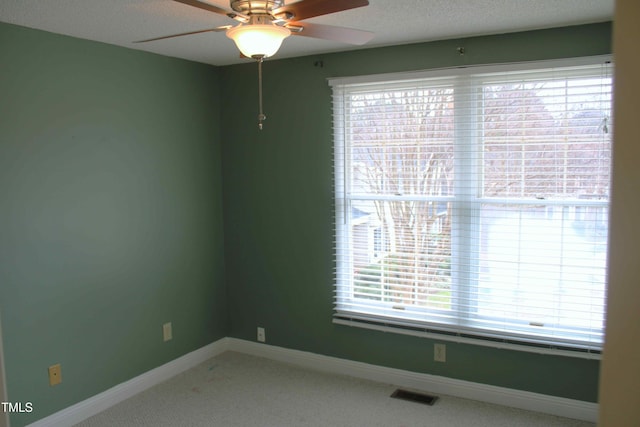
(223, 28)
(305, 9)
(205, 6)
(329, 32)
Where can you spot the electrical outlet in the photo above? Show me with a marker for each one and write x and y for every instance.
(167, 333)
(440, 352)
(261, 335)
(55, 374)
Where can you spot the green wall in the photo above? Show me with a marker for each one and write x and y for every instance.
(116, 168)
(278, 210)
(110, 214)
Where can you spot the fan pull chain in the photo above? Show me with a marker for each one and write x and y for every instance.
(261, 116)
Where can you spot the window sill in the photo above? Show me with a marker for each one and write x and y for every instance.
(480, 341)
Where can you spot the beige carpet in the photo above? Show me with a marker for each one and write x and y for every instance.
(234, 389)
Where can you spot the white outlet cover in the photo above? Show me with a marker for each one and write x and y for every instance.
(167, 333)
(440, 352)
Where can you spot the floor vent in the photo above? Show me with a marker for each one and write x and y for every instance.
(412, 396)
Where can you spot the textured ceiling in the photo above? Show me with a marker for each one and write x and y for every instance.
(120, 22)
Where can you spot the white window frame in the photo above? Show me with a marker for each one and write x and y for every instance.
(422, 322)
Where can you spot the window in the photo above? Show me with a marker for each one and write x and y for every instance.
(474, 202)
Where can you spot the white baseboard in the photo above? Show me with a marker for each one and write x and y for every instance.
(553, 405)
(424, 382)
(98, 403)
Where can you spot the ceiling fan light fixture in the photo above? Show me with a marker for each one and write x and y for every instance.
(258, 40)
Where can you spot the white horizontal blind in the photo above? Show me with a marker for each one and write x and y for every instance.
(477, 203)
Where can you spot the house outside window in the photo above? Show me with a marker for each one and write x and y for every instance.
(474, 202)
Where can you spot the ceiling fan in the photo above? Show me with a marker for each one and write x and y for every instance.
(264, 24)
(268, 22)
